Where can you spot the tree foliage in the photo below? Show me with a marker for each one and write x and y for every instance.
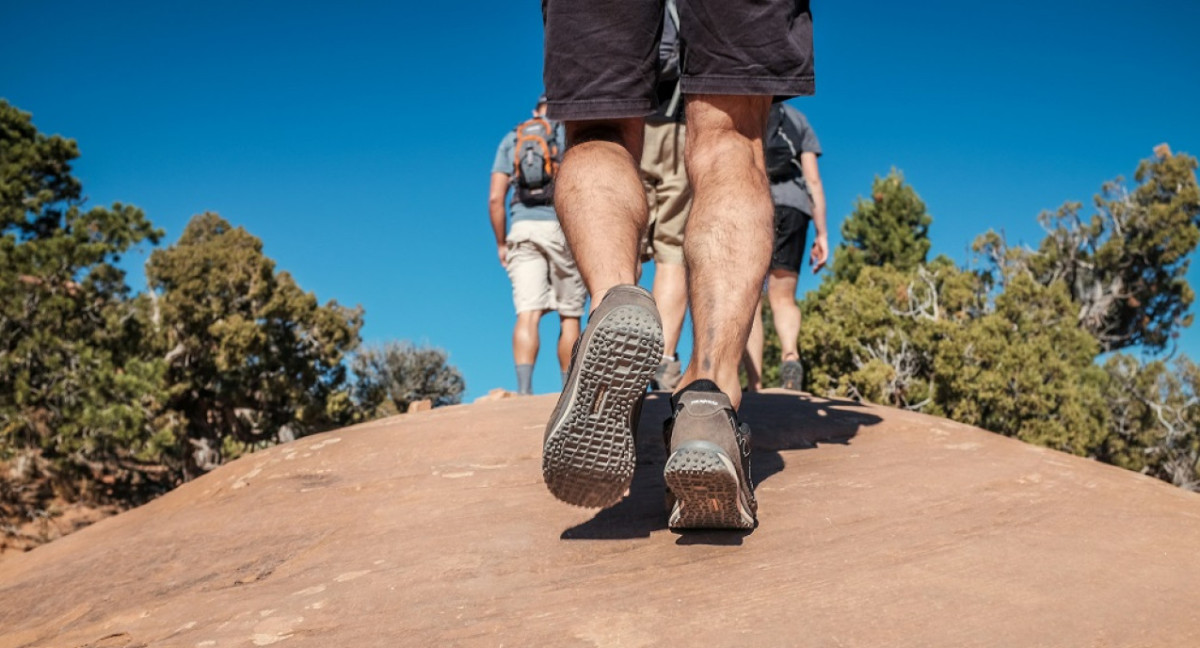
(929, 340)
(106, 394)
(1154, 416)
(1125, 267)
(74, 384)
(890, 229)
(250, 356)
(1013, 348)
(391, 377)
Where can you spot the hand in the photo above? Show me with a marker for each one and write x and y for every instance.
(820, 253)
(502, 252)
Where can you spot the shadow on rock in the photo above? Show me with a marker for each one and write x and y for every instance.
(778, 421)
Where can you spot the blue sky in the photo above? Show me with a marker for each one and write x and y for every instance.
(356, 140)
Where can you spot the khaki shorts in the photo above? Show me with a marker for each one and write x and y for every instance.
(542, 270)
(667, 190)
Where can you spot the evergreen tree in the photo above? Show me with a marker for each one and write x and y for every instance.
(1013, 348)
(251, 358)
(74, 385)
(1154, 416)
(929, 340)
(1126, 266)
(1024, 370)
(890, 229)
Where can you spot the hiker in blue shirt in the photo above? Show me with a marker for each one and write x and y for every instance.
(532, 248)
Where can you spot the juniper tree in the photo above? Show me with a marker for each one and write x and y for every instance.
(251, 358)
(1126, 266)
(892, 228)
(74, 384)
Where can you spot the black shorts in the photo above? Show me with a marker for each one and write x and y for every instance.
(601, 56)
(791, 235)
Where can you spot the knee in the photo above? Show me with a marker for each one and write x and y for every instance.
(780, 293)
(716, 151)
(724, 130)
(527, 320)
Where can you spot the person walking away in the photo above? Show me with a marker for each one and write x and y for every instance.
(792, 150)
(600, 79)
(532, 249)
(669, 196)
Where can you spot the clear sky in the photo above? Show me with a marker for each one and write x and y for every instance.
(357, 140)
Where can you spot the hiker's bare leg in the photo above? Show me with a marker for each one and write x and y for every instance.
(568, 332)
(752, 360)
(727, 245)
(525, 337)
(781, 291)
(670, 293)
(600, 201)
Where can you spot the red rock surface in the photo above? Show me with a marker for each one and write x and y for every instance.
(877, 528)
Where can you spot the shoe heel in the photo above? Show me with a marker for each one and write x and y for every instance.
(704, 483)
(588, 458)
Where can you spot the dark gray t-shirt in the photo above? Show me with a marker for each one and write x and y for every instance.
(504, 164)
(794, 192)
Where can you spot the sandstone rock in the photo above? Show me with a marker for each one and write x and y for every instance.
(878, 527)
(420, 406)
(496, 394)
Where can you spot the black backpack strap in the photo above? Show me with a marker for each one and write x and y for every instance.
(673, 104)
(790, 132)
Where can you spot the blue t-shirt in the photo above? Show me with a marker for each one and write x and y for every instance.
(504, 164)
(794, 192)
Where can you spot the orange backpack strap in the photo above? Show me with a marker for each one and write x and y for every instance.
(549, 153)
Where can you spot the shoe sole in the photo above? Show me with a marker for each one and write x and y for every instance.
(791, 378)
(588, 457)
(704, 483)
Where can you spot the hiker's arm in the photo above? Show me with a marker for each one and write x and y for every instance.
(812, 177)
(496, 195)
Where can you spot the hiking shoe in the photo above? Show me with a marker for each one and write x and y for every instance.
(708, 462)
(791, 374)
(588, 450)
(667, 375)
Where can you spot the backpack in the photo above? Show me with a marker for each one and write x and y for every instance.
(535, 161)
(781, 145)
(670, 64)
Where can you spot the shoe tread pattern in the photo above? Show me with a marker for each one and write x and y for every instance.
(791, 376)
(588, 458)
(705, 489)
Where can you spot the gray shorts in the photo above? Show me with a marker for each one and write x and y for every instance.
(602, 55)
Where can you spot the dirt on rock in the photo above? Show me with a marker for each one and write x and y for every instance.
(33, 513)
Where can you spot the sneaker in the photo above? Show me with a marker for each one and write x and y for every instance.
(791, 374)
(588, 451)
(667, 375)
(708, 463)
